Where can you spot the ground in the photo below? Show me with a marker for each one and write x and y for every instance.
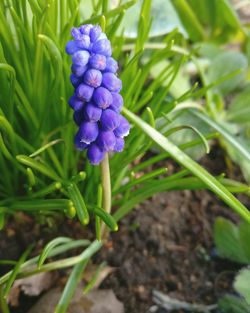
(165, 244)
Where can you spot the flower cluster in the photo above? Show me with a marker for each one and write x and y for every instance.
(96, 102)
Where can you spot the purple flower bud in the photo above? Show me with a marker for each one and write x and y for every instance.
(85, 29)
(111, 82)
(75, 32)
(83, 42)
(123, 129)
(119, 145)
(71, 47)
(92, 112)
(106, 140)
(80, 58)
(97, 61)
(79, 144)
(78, 70)
(93, 78)
(117, 102)
(75, 103)
(102, 97)
(95, 32)
(84, 92)
(111, 65)
(109, 120)
(88, 132)
(78, 116)
(95, 154)
(75, 81)
(102, 46)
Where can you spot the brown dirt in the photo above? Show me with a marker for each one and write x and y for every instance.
(165, 244)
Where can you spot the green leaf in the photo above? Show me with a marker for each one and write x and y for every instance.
(40, 167)
(244, 233)
(233, 304)
(242, 284)
(50, 246)
(217, 69)
(79, 203)
(227, 240)
(212, 183)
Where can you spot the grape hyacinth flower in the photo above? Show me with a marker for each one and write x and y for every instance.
(97, 102)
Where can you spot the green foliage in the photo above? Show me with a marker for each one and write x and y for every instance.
(242, 285)
(232, 241)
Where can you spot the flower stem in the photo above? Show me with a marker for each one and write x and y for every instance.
(106, 187)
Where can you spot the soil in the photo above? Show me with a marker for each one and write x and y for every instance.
(165, 244)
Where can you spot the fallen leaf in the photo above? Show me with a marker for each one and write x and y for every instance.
(96, 301)
(31, 286)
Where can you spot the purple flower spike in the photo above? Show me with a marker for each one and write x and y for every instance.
(71, 47)
(83, 42)
(93, 78)
(111, 82)
(78, 70)
(85, 29)
(102, 97)
(112, 65)
(98, 61)
(92, 112)
(75, 81)
(75, 103)
(123, 129)
(95, 154)
(78, 117)
(80, 58)
(94, 33)
(79, 144)
(106, 140)
(88, 132)
(119, 145)
(109, 120)
(97, 102)
(117, 102)
(102, 46)
(84, 92)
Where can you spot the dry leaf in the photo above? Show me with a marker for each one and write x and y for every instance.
(31, 286)
(97, 301)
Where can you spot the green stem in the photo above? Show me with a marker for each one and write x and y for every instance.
(106, 186)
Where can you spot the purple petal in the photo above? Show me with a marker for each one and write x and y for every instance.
(117, 102)
(88, 132)
(75, 32)
(123, 129)
(78, 70)
(95, 32)
(97, 61)
(79, 116)
(80, 58)
(111, 82)
(111, 65)
(102, 97)
(119, 145)
(71, 47)
(84, 92)
(75, 103)
(83, 42)
(95, 154)
(92, 112)
(102, 46)
(93, 78)
(106, 140)
(85, 29)
(79, 144)
(75, 81)
(109, 120)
